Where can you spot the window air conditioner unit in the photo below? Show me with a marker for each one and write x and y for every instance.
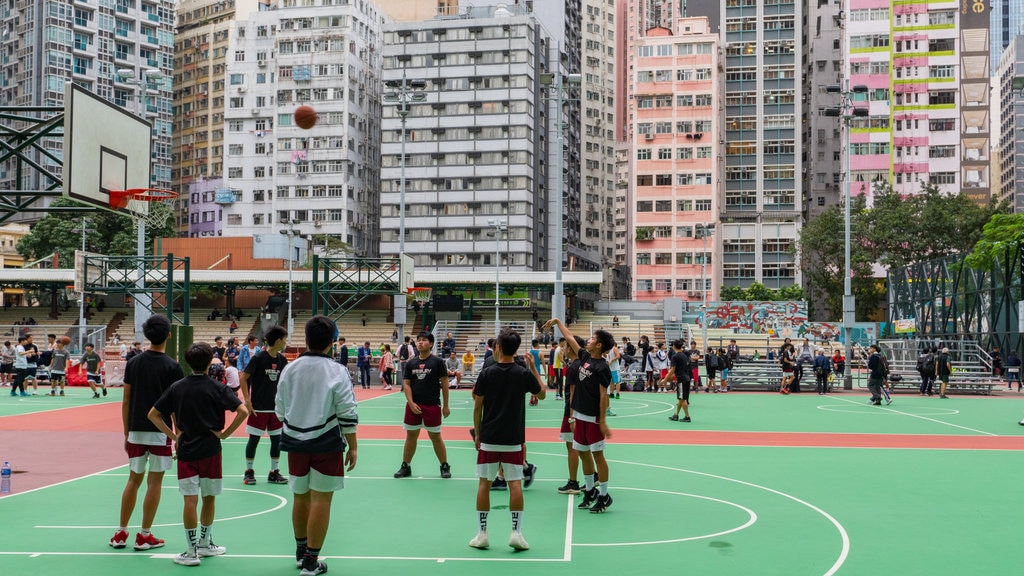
(261, 63)
(242, 89)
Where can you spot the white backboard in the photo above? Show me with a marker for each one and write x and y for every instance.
(105, 148)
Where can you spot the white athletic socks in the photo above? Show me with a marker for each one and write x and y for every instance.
(517, 521)
(204, 535)
(588, 479)
(193, 540)
(603, 489)
(482, 519)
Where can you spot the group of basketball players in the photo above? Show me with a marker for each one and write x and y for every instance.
(317, 427)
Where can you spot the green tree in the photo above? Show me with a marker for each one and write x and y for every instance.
(732, 293)
(894, 232)
(1000, 237)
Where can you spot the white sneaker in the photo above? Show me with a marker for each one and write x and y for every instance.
(210, 549)
(187, 559)
(517, 542)
(480, 540)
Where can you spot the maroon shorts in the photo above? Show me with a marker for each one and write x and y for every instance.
(430, 418)
(323, 472)
(587, 436)
(139, 450)
(662, 373)
(551, 370)
(259, 422)
(206, 468)
(565, 433)
(485, 457)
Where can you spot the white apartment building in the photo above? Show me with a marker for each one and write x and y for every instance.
(324, 180)
(476, 154)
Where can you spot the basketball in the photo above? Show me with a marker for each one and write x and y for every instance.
(305, 117)
(65, 340)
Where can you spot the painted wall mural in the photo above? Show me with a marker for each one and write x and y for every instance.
(787, 319)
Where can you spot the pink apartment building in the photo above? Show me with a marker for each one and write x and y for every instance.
(675, 154)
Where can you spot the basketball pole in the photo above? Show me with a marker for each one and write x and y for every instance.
(141, 299)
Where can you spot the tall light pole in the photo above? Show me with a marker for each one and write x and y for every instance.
(499, 227)
(705, 231)
(81, 301)
(563, 85)
(146, 84)
(848, 112)
(402, 93)
(290, 222)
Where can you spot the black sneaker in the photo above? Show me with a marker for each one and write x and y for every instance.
(674, 417)
(589, 496)
(499, 484)
(573, 487)
(275, 477)
(686, 419)
(446, 470)
(104, 390)
(602, 504)
(313, 569)
(404, 471)
(528, 472)
(249, 477)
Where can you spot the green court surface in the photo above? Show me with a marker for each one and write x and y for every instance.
(679, 507)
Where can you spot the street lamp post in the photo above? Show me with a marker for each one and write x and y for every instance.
(402, 93)
(705, 230)
(848, 112)
(499, 227)
(147, 83)
(563, 86)
(291, 257)
(81, 301)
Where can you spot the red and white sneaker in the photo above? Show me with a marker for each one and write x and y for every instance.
(147, 542)
(120, 539)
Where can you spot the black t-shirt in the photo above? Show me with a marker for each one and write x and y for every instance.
(504, 388)
(198, 404)
(944, 365)
(220, 353)
(149, 374)
(680, 362)
(263, 371)
(424, 377)
(32, 359)
(594, 375)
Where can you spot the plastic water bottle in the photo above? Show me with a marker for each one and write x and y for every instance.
(5, 478)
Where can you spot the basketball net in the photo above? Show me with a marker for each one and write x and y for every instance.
(136, 198)
(420, 294)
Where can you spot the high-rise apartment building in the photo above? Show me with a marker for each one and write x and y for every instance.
(121, 50)
(924, 68)
(822, 148)
(477, 152)
(763, 196)
(321, 181)
(1006, 22)
(200, 61)
(1011, 141)
(675, 155)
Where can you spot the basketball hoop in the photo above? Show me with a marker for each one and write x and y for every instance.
(420, 294)
(121, 199)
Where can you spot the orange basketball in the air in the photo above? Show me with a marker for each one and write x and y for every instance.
(305, 117)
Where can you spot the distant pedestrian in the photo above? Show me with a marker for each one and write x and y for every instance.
(944, 369)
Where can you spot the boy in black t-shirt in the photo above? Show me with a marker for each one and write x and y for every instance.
(499, 424)
(259, 389)
(679, 369)
(572, 377)
(197, 404)
(589, 407)
(426, 383)
(146, 377)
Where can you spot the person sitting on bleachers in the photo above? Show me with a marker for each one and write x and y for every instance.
(454, 374)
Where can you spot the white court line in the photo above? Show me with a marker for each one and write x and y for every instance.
(842, 531)
(921, 417)
(282, 502)
(571, 508)
(101, 472)
(751, 519)
(56, 409)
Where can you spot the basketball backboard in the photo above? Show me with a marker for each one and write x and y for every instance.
(105, 148)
